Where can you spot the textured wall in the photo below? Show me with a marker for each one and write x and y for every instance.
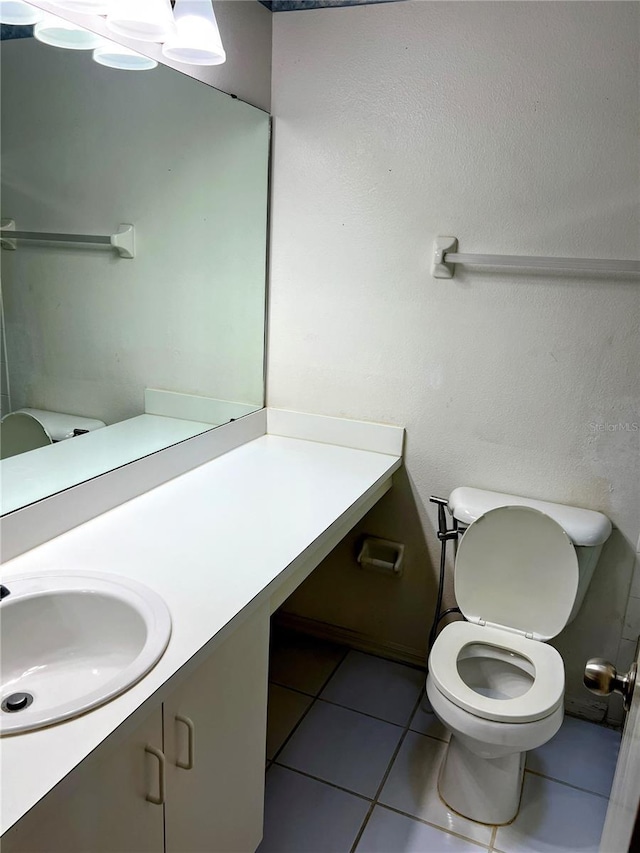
(515, 127)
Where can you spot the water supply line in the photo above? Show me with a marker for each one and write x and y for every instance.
(444, 534)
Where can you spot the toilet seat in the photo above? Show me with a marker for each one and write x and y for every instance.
(543, 697)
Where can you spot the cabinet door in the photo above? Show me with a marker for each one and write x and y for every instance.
(217, 804)
(101, 807)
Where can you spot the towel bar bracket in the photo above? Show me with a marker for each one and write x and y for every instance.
(440, 268)
(5, 242)
(123, 241)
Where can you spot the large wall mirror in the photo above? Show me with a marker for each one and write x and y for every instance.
(115, 357)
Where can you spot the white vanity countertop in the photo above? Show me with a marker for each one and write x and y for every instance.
(210, 542)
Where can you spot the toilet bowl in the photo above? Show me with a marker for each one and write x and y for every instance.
(483, 768)
(493, 680)
(500, 695)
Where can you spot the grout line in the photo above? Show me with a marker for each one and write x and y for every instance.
(324, 781)
(420, 667)
(397, 749)
(334, 670)
(322, 686)
(416, 705)
(306, 711)
(567, 784)
(494, 835)
(358, 711)
(363, 713)
(431, 737)
(292, 732)
(363, 826)
(349, 708)
(436, 826)
(293, 689)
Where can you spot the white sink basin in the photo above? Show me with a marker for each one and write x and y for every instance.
(71, 642)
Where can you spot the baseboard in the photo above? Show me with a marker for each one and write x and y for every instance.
(586, 709)
(353, 639)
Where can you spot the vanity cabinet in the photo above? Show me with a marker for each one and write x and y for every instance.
(101, 807)
(201, 756)
(215, 740)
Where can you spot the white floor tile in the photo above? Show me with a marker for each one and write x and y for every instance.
(306, 816)
(302, 662)
(375, 686)
(285, 709)
(425, 722)
(553, 817)
(389, 832)
(342, 747)
(412, 787)
(582, 754)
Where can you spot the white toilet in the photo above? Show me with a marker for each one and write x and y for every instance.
(521, 572)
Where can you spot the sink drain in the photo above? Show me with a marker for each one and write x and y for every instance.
(16, 702)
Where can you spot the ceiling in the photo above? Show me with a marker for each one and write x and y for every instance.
(7, 31)
(292, 5)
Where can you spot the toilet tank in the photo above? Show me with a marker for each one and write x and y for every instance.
(587, 529)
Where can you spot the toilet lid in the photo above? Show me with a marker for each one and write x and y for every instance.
(516, 568)
(20, 433)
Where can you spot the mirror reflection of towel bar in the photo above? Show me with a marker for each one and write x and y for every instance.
(123, 241)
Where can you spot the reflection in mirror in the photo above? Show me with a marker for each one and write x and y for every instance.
(112, 350)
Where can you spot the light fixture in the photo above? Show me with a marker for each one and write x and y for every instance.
(19, 14)
(146, 20)
(60, 33)
(117, 56)
(85, 7)
(197, 39)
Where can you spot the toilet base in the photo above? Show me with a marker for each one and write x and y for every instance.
(486, 790)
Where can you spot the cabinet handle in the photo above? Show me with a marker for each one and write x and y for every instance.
(188, 722)
(159, 800)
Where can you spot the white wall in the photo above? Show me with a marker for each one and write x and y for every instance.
(515, 127)
(86, 147)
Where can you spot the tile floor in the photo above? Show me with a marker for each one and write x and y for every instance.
(353, 756)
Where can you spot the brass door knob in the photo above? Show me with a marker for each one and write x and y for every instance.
(602, 678)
